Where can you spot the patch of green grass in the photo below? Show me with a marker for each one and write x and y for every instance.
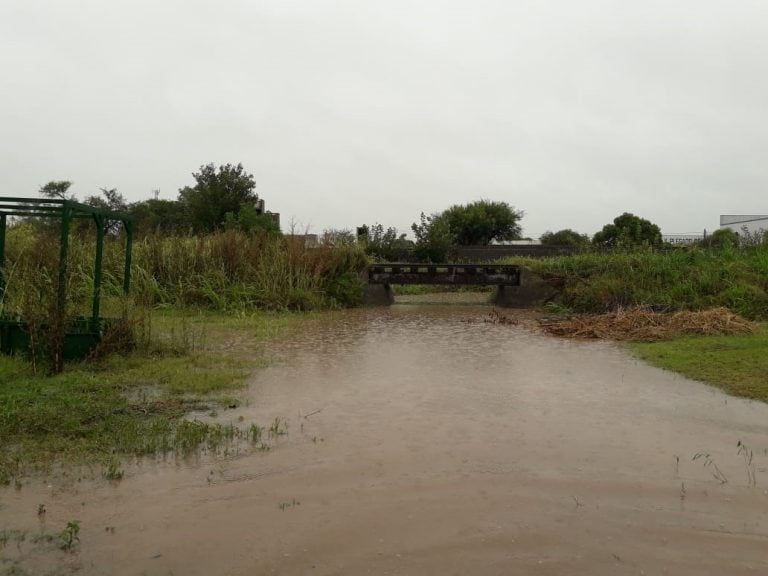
(738, 364)
(134, 404)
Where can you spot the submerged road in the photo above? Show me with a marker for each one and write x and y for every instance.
(421, 440)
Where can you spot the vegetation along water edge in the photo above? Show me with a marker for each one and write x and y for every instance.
(142, 403)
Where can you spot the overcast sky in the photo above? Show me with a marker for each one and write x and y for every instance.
(352, 112)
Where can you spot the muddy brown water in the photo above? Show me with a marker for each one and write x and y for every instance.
(423, 443)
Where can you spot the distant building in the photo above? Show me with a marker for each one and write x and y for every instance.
(261, 209)
(738, 222)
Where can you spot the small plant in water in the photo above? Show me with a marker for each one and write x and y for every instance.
(746, 453)
(709, 463)
(112, 470)
(278, 428)
(284, 505)
(69, 537)
(255, 432)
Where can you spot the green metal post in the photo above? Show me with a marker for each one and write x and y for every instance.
(66, 216)
(57, 336)
(128, 253)
(3, 223)
(98, 265)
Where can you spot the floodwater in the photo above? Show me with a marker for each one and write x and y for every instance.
(423, 441)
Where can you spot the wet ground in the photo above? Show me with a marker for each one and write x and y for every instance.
(423, 441)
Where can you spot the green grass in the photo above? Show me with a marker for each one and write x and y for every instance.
(134, 404)
(737, 364)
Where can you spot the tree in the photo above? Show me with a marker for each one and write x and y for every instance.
(249, 220)
(433, 238)
(385, 244)
(721, 238)
(335, 238)
(217, 192)
(57, 189)
(112, 200)
(482, 222)
(628, 231)
(160, 216)
(565, 237)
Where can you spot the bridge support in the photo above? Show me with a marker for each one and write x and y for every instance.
(532, 291)
(378, 295)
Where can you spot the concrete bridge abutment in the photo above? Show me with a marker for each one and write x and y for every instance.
(532, 291)
(378, 295)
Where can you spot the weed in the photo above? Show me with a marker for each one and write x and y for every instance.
(255, 432)
(69, 537)
(285, 505)
(746, 453)
(710, 464)
(112, 470)
(278, 428)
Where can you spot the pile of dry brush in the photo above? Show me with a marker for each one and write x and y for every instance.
(643, 324)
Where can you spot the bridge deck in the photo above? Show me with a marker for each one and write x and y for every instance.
(466, 274)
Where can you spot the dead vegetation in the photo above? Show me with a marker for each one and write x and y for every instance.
(646, 325)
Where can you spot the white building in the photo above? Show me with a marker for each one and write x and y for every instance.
(754, 223)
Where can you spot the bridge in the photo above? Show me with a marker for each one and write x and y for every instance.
(379, 278)
(461, 274)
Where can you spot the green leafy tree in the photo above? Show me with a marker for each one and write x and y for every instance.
(481, 222)
(57, 189)
(216, 193)
(385, 244)
(249, 220)
(565, 237)
(335, 238)
(433, 238)
(628, 231)
(110, 199)
(721, 238)
(159, 216)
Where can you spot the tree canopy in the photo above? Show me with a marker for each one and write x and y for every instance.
(565, 237)
(56, 189)
(476, 223)
(433, 238)
(382, 243)
(628, 231)
(481, 222)
(216, 193)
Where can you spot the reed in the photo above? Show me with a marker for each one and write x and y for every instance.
(225, 271)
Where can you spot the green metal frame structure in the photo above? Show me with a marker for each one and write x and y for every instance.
(67, 211)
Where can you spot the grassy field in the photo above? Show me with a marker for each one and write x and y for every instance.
(137, 404)
(738, 364)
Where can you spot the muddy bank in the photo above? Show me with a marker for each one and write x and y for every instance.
(423, 443)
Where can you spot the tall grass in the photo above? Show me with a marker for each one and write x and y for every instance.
(229, 270)
(681, 279)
